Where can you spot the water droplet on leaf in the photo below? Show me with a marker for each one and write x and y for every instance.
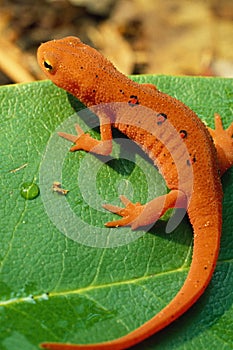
(29, 190)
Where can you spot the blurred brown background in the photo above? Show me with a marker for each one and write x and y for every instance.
(181, 37)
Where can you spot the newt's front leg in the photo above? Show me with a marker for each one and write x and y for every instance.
(87, 143)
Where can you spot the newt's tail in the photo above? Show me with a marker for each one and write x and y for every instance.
(205, 252)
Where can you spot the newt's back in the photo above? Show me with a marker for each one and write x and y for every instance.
(85, 73)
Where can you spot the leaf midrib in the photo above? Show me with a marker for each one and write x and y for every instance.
(90, 288)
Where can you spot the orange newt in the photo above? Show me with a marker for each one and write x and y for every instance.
(85, 73)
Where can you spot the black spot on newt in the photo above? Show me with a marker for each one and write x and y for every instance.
(191, 161)
(133, 100)
(161, 118)
(183, 134)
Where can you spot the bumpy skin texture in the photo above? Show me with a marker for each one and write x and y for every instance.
(86, 74)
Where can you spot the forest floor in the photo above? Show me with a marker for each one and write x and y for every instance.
(175, 37)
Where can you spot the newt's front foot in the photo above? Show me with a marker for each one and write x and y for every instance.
(224, 143)
(87, 143)
(78, 139)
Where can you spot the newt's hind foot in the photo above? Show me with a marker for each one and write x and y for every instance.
(129, 214)
(138, 215)
(223, 140)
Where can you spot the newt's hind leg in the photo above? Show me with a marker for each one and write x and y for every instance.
(223, 140)
(137, 215)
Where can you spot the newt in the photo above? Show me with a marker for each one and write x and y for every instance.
(85, 73)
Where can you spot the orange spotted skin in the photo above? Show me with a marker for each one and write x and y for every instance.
(86, 74)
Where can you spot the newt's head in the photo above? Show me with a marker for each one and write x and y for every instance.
(65, 62)
(75, 67)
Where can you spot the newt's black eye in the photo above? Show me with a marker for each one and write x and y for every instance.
(48, 66)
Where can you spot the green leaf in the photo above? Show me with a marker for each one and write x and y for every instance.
(58, 280)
